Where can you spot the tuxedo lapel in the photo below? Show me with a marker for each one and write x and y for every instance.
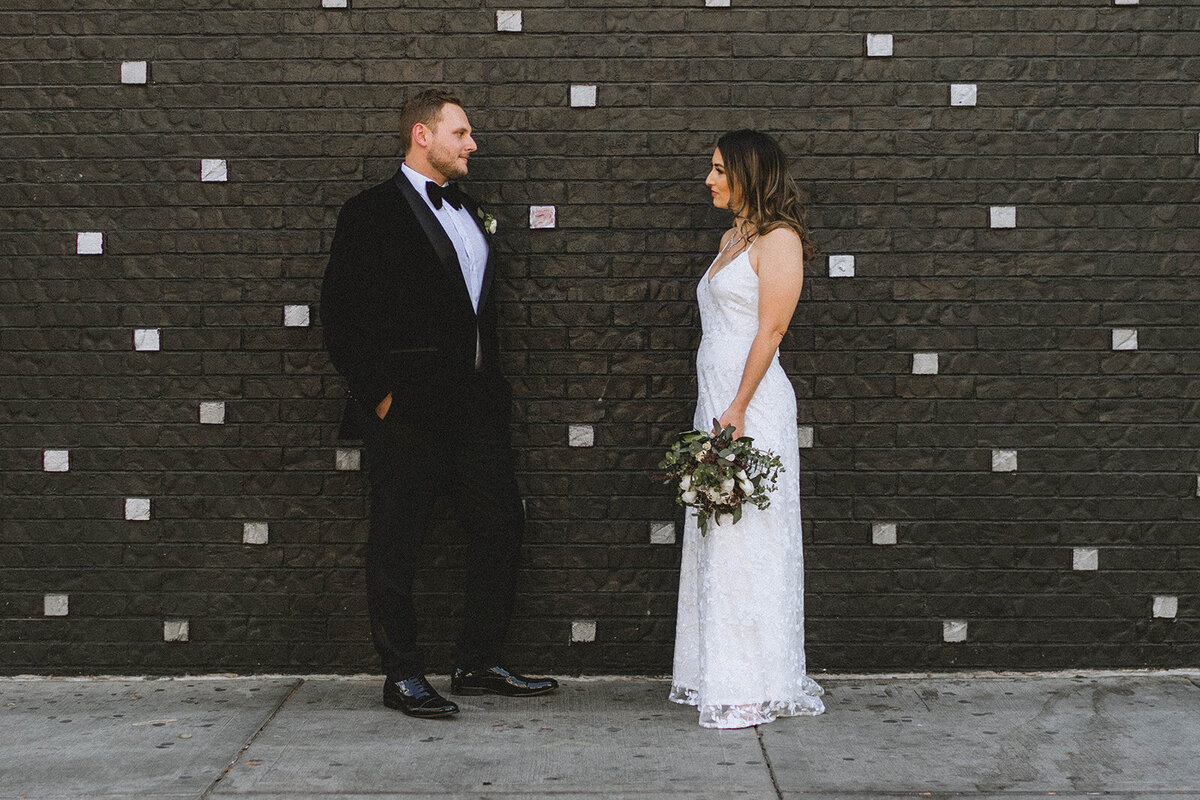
(433, 229)
(473, 207)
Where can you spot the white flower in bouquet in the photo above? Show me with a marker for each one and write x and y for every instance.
(685, 482)
(688, 498)
(727, 486)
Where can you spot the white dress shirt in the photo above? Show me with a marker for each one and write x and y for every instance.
(469, 242)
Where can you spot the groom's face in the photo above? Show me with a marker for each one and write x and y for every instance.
(450, 142)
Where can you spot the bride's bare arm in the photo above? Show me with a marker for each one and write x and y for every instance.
(778, 258)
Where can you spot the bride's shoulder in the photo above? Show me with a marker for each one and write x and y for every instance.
(726, 236)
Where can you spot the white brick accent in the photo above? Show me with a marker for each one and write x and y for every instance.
(508, 21)
(542, 217)
(716, 3)
(879, 45)
(89, 243)
(214, 170)
(963, 94)
(883, 533)
(255, 533)
(56, 605)
(954, 630)
(583, 95)
(135, 72)
(1166, 606)
(1124, 339)
(662, 533)
(581, 435)
(146, 340)
(804, 433)
(175, 630)
(1085, 559)
(1125, 2)
(137, 508)
(348, 459)
(583, 630)
(335, 3)
(212, 413)
(56, 460)
(925, 364)
(841, 266)
(1002, 217)
(295, 316)
(1004, 461)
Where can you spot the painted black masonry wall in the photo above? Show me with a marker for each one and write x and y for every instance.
(953, 347)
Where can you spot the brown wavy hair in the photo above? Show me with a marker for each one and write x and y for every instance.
(761, 189)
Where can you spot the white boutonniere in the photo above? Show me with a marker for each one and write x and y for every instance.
(489, 222)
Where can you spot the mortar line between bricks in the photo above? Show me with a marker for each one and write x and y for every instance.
(762, 746)
(250, 740)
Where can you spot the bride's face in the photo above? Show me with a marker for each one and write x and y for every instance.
(718, 182)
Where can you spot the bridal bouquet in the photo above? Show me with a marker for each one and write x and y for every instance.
(718, 474)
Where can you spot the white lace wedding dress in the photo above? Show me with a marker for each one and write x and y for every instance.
(739, 640)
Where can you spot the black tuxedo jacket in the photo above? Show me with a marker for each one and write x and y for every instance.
(396, 312)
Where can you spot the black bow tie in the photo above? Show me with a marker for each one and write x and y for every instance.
(450, 193)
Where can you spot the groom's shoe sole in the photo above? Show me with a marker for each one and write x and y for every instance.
(399, 706)
(478, 690)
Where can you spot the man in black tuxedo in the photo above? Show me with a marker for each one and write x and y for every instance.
(410, 322)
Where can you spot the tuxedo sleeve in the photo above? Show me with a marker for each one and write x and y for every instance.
(349, 320)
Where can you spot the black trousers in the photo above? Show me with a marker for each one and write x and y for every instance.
(462, 454)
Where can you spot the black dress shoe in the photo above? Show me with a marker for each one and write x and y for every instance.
(415, 697)
(498, 680)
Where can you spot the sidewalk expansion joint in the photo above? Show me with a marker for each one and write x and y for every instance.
(762, 746)
(250, 740)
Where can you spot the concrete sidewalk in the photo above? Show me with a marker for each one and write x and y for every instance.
(1009, 737)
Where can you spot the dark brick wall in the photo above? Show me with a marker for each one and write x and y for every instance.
(1086, 122)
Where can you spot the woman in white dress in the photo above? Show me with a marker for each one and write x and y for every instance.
(739, 641)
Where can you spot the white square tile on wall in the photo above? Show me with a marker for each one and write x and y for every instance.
(255, 533)
(542, 217)
(147, 340)
(1002, 217)
(716, 3)
(135, 72)
(508, 21)
(137, 508)
(214, 170)
(89, 243)
(883, 533)
(176, 630)
(662, 533)
(583, 95)
(1004, 461)
(212, 413)
(296, 316)
(1085, 559)
(56, 605)
(963, 94)
(1124, 339)
(1166, 606)
(954, 630)
(879, 45)
(583, 630)
(841, 266)
(56, 460)
(581, 435)
(925, 364)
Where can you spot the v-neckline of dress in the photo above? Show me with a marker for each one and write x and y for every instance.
(712, 275)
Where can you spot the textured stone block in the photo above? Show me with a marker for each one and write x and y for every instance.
(1004, 461)
(56, 605)
(137, 508)
(212, 413)
(1166, 606)
(883, 533)
(662, 533)
(56, 460)
(255, 533)
(135, 72)
(583, 630)
(954, 630)
(963, 94)
(146, 339)
(583, 95)
(1124, 339)
(175, 630)
(214, 170)
(542, 217)
(841, 266)
(508, 21)
(804, 433)
(1085, 559)
(296, 316)
(925, 364)
(1002, 217)
(879, 45)
(89, 243)
(348, 459)
(581, 435)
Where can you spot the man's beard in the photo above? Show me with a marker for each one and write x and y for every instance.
(448, 165)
